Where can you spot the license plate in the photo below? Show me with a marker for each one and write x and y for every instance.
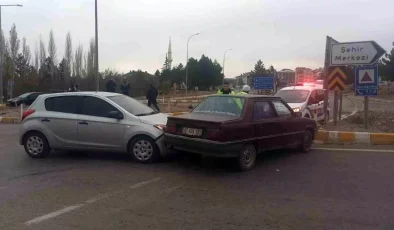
(191, 131)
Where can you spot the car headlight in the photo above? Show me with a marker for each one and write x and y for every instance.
(161, 127)
(296, 110)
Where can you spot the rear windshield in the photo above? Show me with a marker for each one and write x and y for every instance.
(225, 106)
(293, 96)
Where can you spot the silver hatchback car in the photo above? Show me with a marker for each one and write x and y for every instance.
(92, 121)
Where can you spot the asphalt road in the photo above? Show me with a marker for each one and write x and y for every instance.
(324, 189)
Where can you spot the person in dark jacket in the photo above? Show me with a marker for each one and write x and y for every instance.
(151, 95)
(226, 89)
(125, 87)
(111, 85)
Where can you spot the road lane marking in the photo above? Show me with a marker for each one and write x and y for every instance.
(89, 201)
(143, 183)
(356, 150)
(53, 214)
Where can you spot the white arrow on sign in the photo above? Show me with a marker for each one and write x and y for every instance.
(355, 53)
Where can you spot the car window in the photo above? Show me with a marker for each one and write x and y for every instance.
(281, 109)
(293, 96)
(313, 97)
(131, 105)
(320, 95)
(221, 105)
(263, 109)
(62, 104)
(97, 107)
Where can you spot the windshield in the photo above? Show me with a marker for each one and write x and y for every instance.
(132, 106)
(293, 96)
(24, 95)
(226, 106)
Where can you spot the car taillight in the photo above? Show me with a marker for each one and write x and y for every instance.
(27, 113)
(215, 135)
(170, 128)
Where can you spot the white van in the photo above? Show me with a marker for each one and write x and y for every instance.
(307, 99)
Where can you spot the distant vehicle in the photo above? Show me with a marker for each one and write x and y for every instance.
(239, 127)
(308, 99)
(26, 99)
(92, 121)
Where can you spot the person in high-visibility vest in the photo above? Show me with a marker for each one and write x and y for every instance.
(245, 91)
(226, 89)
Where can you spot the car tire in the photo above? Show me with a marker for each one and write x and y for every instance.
(306, 142)
(36, 145)
(144, 149)
(246, 159)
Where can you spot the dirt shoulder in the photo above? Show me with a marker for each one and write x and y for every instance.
(379, 122)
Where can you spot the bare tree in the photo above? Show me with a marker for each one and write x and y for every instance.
(90, 58)
(78, 61)
(26, 51)
(52, 47)
(14, 49)
(68, 54)
(43, 54)
(52, 55)
(36, 59)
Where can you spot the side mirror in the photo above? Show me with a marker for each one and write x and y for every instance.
(116, 115)
(297, 114)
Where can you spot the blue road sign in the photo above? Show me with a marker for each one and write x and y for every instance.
(367, 81)
(264, 82)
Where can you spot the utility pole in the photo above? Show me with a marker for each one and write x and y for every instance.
(224, 60)
(96, 56)
(1, 57)
(187, 57)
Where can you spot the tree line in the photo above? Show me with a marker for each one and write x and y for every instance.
(386, 66)
(42, 70)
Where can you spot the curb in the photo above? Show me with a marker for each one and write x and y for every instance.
(9, 120)
(335, 137)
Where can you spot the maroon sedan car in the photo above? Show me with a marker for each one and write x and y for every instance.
(239, 126)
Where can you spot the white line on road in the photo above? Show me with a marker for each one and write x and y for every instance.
(356, 150)
(53, 214)
(89, 201)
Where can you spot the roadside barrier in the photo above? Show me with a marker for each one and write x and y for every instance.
(335, 137)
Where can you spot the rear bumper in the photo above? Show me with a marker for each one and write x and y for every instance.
(164, 151)
(202, 147)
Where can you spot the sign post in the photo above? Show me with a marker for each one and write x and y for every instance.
(264, 83)
(329, 42)
(337, 82)
(366, 84)
(366, 78)
(340, 105)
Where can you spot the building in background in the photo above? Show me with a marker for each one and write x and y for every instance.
(285, 77)
(168, 61)
(243, 79)
(303, 74)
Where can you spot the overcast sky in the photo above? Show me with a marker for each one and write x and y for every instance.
(134, 34)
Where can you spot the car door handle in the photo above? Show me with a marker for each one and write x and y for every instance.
(83, 123)
(45, 120)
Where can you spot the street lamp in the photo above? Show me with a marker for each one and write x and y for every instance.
(96, 56)
(224, 59)
(187, 56)
(1, 57)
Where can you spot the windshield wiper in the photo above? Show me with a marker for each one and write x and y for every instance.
(146, 114)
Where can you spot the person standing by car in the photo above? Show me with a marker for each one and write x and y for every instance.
(245, 89)
(226, 89)
(151, 95)
(125, 87)
(111, 85)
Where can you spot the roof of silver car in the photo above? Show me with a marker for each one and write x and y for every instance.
(98, 93)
